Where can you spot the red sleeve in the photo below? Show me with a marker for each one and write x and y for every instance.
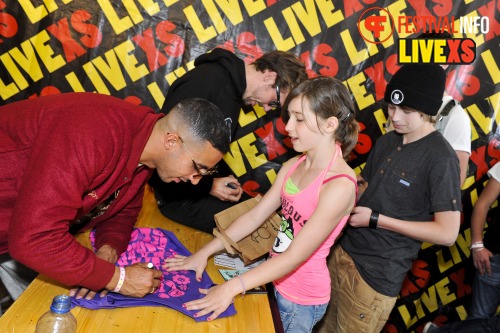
(116, 231)
(67, 154)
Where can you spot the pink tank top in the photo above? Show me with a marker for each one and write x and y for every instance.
(308, 284)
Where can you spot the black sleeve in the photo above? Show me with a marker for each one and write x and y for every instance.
(180, 191)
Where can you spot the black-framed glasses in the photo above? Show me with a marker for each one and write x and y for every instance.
(201, 170)
(277, 103)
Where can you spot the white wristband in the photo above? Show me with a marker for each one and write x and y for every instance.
(121, 280)
(477, 245)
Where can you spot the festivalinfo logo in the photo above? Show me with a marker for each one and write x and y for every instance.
(376, 25)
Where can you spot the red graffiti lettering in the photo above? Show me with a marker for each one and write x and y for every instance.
(92, 36)
(478, 158)
(493, 152)
(133, 99)
(250, 187)
(376, 73)
(147, 43)
(306, 58)
(461, 82)
(462, 289)
(175, 42)
(246, 44)
(416, 279)
(489, 11)
(228, 45)
(442, 7)
(280, 127)
(329, 63)
(391, 64)
(390, 328)
(8, 24)
(46, 91)
(420, 8)
(364, 144)
(71, 48)
(351, 7)
(273, 146)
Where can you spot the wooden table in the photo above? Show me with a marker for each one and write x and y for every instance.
(254, 311)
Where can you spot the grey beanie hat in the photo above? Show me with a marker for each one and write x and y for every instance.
(418, 86)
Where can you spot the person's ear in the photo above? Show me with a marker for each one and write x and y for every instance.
(331, 124)
(169, 140)
(270, 77)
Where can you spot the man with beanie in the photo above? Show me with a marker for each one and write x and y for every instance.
(412, 195)
(224, 79)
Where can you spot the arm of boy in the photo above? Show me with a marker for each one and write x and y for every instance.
(443, 230)
(305, 243)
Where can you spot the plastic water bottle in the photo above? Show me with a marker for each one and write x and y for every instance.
(59, 319)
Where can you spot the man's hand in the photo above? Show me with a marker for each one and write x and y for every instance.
(226, 189)
(107, 253)
(482, 260)
(140, 280)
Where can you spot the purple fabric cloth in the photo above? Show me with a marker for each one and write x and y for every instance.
(155, 245)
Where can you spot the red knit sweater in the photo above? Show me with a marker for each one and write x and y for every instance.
(59, 157)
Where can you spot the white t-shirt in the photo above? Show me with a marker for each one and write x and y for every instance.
(455, 127)
(494, 172)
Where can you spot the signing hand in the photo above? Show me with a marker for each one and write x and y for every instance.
(222, 191)
(140, 280)
(360, 217)
(107, 253)
(195, 262)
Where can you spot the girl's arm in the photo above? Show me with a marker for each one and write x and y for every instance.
(324, 219)
(239, 229)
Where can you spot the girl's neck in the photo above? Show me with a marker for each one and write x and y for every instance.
(320, 157)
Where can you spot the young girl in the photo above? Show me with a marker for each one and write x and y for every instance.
(316, 191)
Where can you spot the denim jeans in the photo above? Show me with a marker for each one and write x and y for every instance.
(298, 318)
(486, 291)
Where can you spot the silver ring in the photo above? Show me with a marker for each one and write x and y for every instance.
(152, 290)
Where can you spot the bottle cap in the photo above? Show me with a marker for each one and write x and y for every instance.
(61, 304)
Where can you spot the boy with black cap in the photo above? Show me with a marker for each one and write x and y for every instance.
(413, 195)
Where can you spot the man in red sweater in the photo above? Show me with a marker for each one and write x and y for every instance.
(81, 160)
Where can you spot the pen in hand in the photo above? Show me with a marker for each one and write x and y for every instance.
(232, 185)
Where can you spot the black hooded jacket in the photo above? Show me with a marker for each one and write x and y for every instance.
(218, 76)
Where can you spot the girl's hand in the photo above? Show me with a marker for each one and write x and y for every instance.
(195, 262)
(216, 301)
(360, 217)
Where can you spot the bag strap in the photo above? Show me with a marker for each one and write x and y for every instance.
(447, 108)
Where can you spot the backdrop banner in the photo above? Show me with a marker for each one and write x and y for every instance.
(134, 50)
